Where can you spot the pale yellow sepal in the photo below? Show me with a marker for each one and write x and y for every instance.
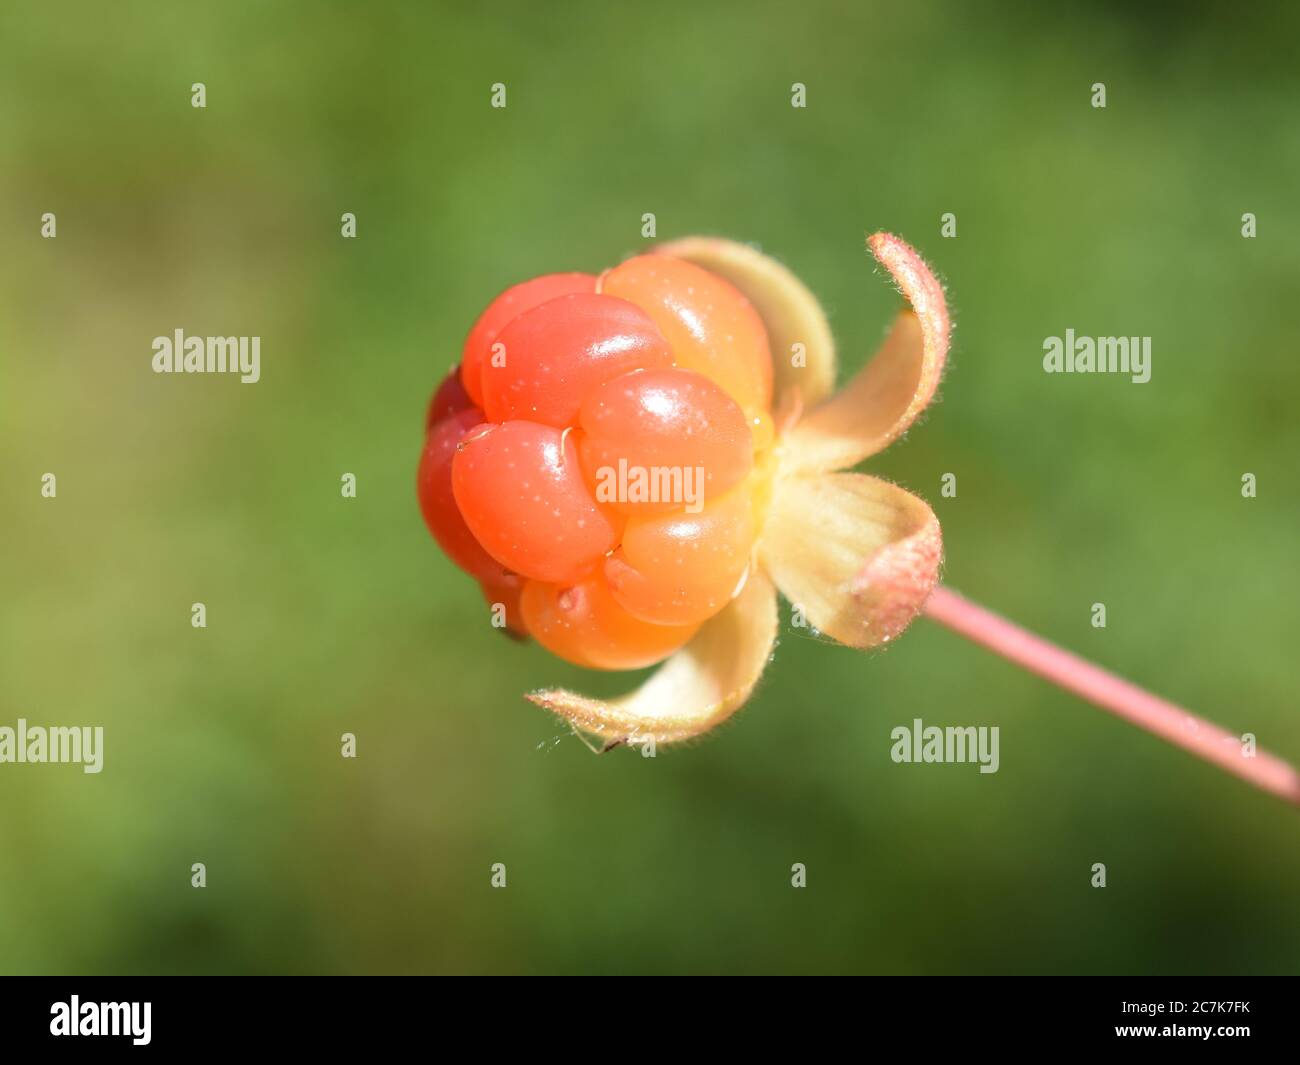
(855, 556)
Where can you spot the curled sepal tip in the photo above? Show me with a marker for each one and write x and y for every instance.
(897, 384)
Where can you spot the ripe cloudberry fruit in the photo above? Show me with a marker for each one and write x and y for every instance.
(591, 462)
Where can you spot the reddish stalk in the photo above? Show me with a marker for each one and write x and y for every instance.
(1158, 716)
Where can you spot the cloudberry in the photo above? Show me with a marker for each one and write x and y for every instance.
(591, 462)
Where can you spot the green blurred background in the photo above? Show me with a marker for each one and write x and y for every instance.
(328, 615)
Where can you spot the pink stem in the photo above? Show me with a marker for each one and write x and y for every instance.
(1165, 719)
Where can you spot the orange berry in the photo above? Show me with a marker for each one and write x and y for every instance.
(602, 459)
